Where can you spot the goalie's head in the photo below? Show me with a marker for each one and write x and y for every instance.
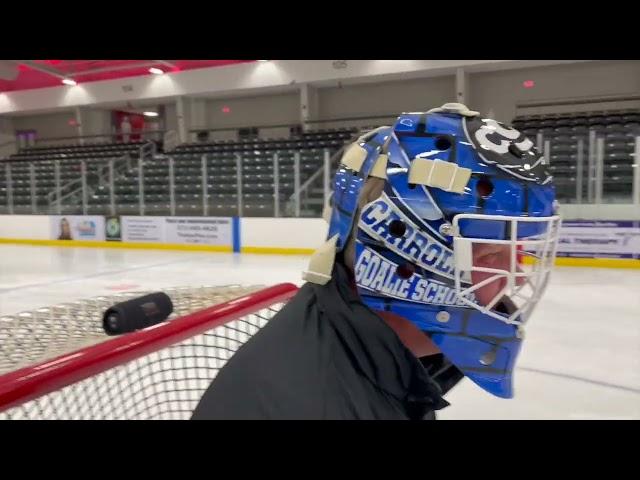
(461, 239)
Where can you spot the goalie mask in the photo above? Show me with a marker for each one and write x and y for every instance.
(462, 240)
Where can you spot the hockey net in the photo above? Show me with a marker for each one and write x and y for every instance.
(57, 362)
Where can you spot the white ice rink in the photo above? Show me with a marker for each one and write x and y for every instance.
(581, 358)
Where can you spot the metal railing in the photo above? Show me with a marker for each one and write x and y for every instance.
(323, 173)
(598, 169)
(352, 122)
(87, 140)
(84, 187)
(589, 170)
(170, 140)
(8, 148)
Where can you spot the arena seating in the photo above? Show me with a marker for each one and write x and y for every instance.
(257, 176)
(618, 128)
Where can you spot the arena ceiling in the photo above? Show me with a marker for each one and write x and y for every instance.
(29, 74)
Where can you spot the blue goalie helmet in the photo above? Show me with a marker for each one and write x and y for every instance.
(462, 239)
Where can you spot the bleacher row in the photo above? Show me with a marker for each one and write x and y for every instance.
(44, 176)
(90, 152)
(222, 176)
(618, 129)
(565, 131)
(309, 140)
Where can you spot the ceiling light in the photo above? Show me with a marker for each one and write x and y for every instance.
(156, 71)
(69, 81)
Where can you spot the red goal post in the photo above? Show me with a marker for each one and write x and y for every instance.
(156, 373)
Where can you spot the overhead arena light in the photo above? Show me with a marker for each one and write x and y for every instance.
(69, 81)
(150, 114)
(156, 71)
(263, 60)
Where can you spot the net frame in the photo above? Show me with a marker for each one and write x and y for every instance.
(112, 377)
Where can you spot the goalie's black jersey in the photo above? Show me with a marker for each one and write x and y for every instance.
(326, 355)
